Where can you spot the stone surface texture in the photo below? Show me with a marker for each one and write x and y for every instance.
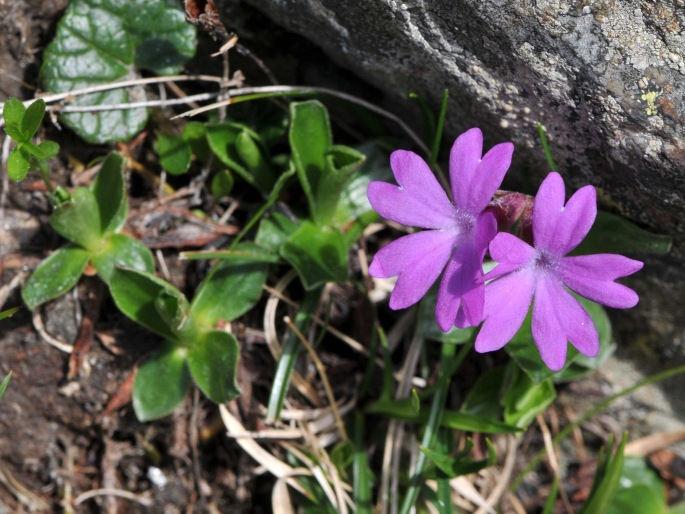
(605, 77)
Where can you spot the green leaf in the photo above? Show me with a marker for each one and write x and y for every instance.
(79, 220)
(254, 254)
(607, 479)
(18, 165)
(252, 154)
(224, 138)
(102, 41)
(124, 251)
(4, 384)
(402, 409)
(109, 189)
(161, 383)
(8, 313)
(460, 464)
(172, 307)
(55, 275)
(275, 230)
(483, 398)
(13, 114)
(174, 153)
(230, 289)
(49, 149)
(341, 163)
(614, 234)
(354, 203)
(318, 254)
(32, 119)
(194, 134)
(222, 184)
(523, 350)
(290, 352)
(135, 294)
(213, 362)
(640, 490)
(14, 131)
(525, 399)
(310, 138)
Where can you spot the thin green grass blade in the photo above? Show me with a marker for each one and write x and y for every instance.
(291, 351)
(545, 147)
(598, 407)
(437, 138)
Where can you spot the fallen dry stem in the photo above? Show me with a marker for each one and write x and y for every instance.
(553, 462)
(324, 377)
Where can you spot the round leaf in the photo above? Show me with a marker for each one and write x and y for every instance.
(213, 362)
(161, 383)
(79, 220)
(230, 289)
(102, 41)
(109, 189)
(55, 275)
(33, 117)
(135, 294)
(122, 250)
(13, 114)
(18, 165)
(174, 153)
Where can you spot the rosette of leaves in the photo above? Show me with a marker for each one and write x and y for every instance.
(334, 179)
(22, 124)
(91, 220)
(102, 41)
(193, 347)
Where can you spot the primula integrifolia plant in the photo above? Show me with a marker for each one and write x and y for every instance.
(458, 234)
(541, 274)
(458, 237)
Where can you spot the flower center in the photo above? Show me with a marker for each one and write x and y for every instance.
(545, 261)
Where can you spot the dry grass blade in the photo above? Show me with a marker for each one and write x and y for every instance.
(40, 328)
(280, 498)
(651, 443)
(119, 493)
(321, 369)
(338, 501)
(275, 466)
(503, 479)
(465, 489)
(389, 489)
(24, 496)
(271, 336)
(553, 462)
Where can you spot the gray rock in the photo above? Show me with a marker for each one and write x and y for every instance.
(605, 77)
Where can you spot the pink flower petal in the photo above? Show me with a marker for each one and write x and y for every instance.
(548, 333)
(592, 276)
(419, 201)
(465, 156)
(487, 178)
(547, 209)
(418, 259)
(576, 323)
(507, 300)
(510, 252)
(462, 284)
(575, 221)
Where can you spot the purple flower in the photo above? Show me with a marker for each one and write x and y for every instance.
(541, 275)
(458, 233)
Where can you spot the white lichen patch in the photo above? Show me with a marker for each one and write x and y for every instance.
(641, 44)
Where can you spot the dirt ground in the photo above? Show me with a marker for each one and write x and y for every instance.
(65, 425)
